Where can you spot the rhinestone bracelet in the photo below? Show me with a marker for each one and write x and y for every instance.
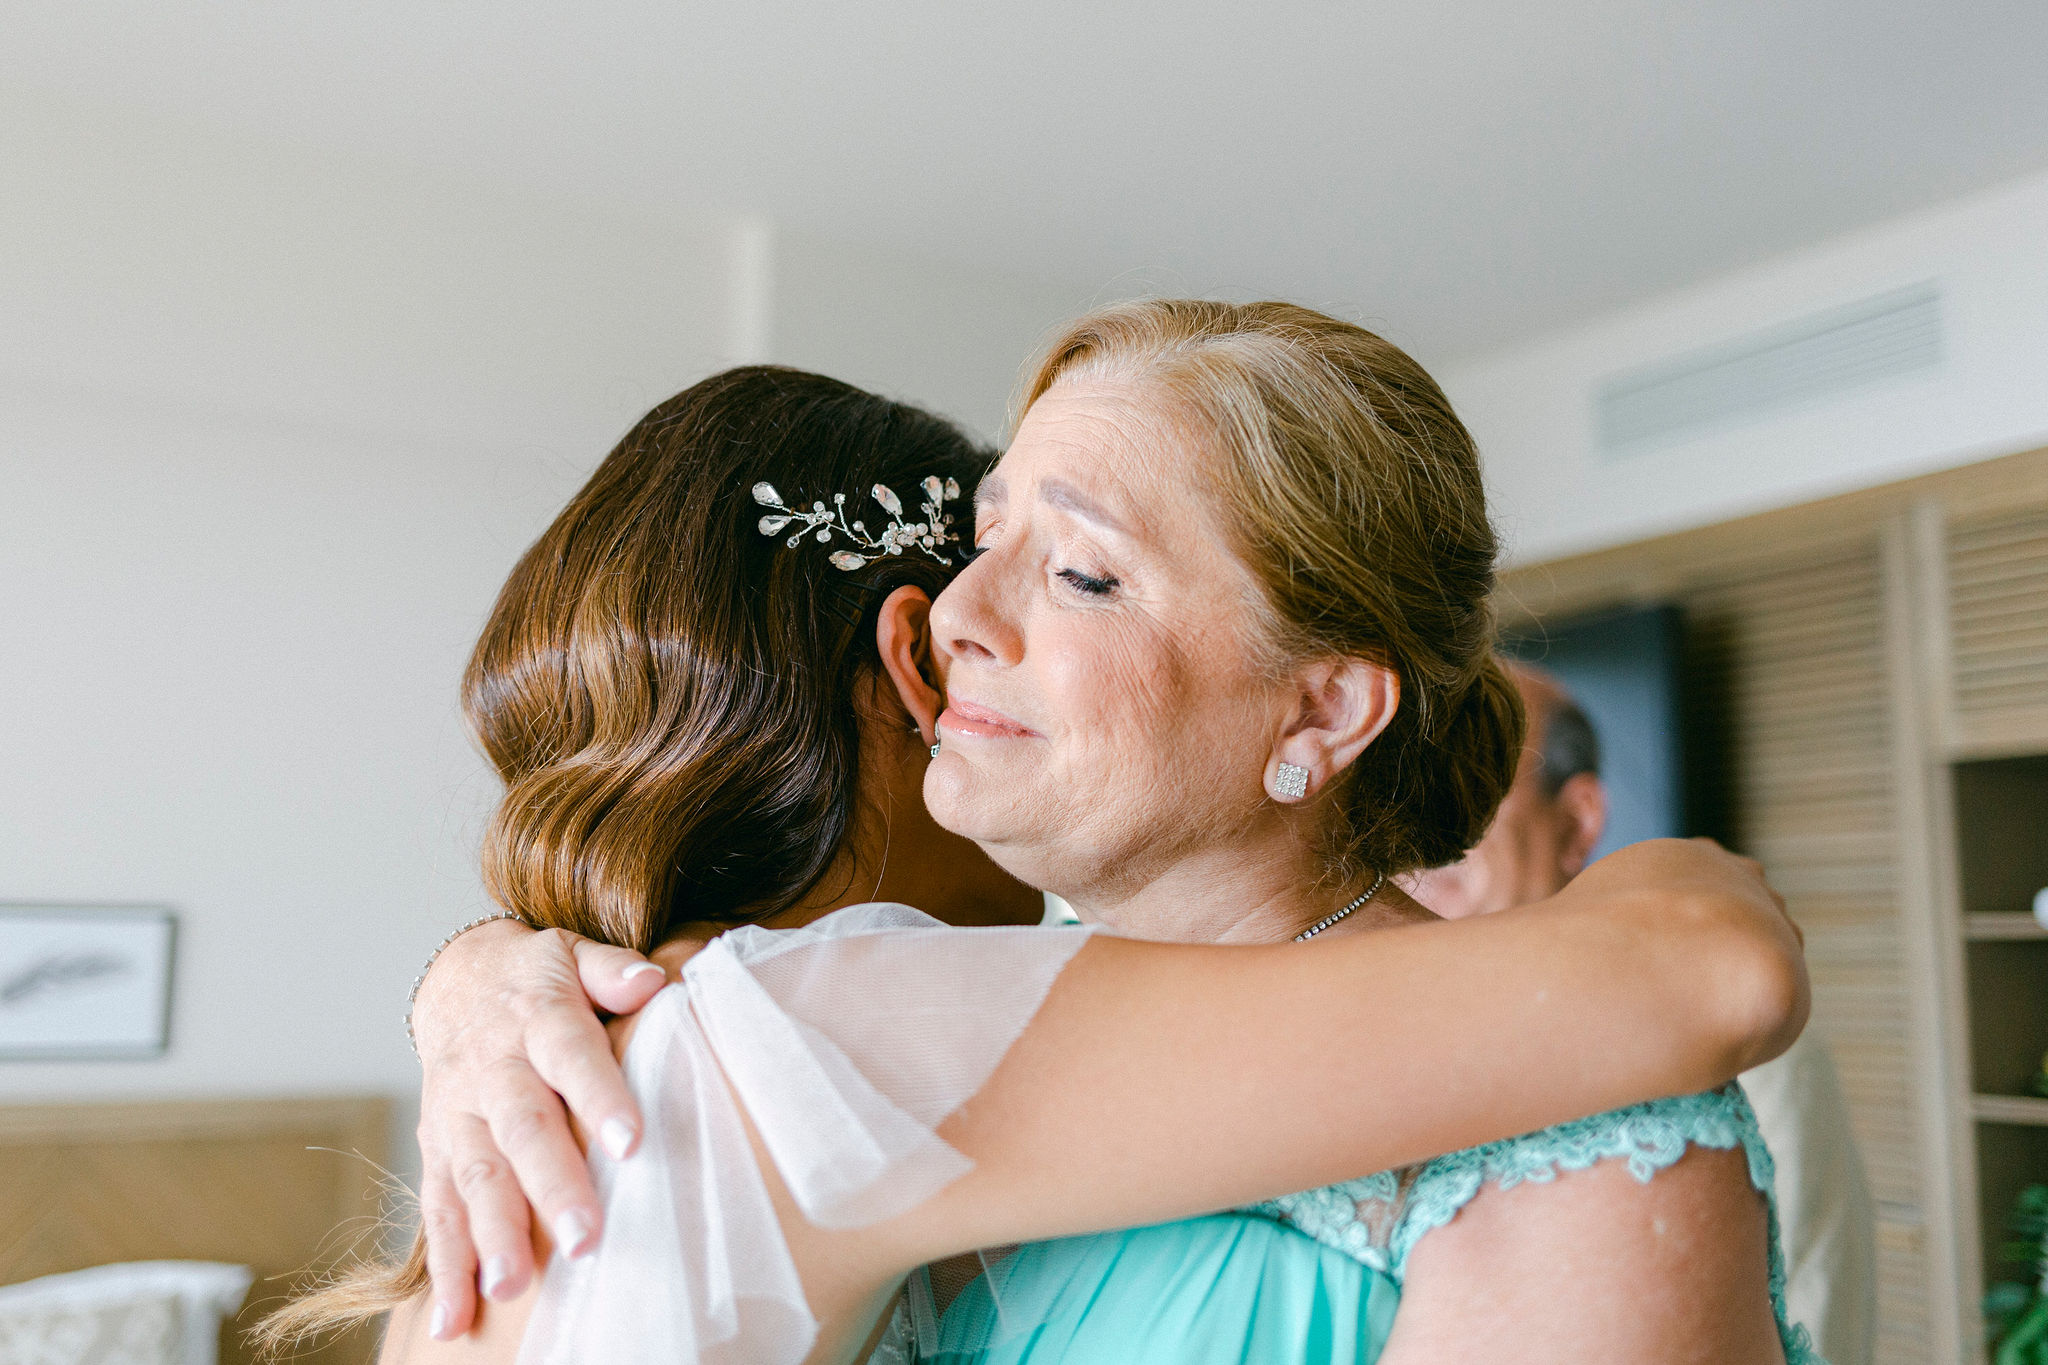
(412, 996)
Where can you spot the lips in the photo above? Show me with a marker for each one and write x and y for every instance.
(964, 717)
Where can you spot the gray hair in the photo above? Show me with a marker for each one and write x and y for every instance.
(1570, 745)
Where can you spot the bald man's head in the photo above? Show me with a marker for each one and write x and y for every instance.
(1548, 824)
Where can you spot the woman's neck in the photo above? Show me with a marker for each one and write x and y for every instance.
(921, 869)
(1232, 898)
(897, 852)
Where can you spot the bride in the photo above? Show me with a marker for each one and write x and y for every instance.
(1220, 667)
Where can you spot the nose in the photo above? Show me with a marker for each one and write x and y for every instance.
(971, 621)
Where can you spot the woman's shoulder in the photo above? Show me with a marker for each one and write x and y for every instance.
(1671, 1177)
(1379, 1219)
(1649, 1137)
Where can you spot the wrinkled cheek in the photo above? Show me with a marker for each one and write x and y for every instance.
(1214, 731)
(1118, 702)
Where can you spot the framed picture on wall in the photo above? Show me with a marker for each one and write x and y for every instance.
(81, 982)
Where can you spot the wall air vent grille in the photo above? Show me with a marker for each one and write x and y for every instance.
(1801, 362)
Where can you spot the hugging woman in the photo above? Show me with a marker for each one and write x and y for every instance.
(1219, 667)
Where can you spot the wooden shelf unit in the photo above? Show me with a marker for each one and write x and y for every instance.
(2025, 1110)
(2003, 926)
(2001, 859)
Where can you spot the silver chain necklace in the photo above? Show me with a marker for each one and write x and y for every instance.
(1324, 923)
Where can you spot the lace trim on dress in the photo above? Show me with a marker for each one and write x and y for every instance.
(898, 1342)
(1357, 1217)
(1379, 1220)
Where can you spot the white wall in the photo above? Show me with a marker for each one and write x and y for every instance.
(942, 336)
(1531, 407)
(272, 430)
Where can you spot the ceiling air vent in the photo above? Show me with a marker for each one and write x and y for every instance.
(1791, 365)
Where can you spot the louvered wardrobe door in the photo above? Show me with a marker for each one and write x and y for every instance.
(1791, 753)
(1998, 616)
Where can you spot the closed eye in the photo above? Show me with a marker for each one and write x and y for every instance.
(1084, 583)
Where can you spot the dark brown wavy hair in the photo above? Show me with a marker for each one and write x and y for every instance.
(666, 691)
(668, 694)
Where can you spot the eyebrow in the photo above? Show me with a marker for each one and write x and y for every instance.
(992, 494)
(1063, 495)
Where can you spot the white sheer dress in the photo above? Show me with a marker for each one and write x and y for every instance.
(846, 1043)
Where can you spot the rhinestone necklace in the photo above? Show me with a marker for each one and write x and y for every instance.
(1324, 923)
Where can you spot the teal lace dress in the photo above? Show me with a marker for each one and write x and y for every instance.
(1312, 1277)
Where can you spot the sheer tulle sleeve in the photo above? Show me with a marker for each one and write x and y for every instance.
(845, 1043)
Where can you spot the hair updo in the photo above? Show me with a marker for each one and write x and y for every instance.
(667, 692)
(1355, 497)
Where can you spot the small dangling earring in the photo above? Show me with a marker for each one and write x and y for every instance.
(935, 751)
(1291, 782)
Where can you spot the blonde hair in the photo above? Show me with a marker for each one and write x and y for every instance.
(1355, 497)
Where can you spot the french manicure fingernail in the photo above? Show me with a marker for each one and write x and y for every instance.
(572, 1232)
(437, 1325)
(617, 1136)
(638, 967)
(497, 1270)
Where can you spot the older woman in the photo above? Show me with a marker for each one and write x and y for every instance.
(1111, 652)
(1220, 669)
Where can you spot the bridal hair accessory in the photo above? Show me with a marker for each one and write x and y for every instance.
(934, 535)
(1328, 920)
(1291, 781)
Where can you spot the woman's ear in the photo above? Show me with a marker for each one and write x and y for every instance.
(1340, 706)
(904, 639)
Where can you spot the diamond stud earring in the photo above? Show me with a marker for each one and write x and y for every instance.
(1291, 782)
(935, 751)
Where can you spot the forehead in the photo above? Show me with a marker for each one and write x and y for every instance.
(1116, 444)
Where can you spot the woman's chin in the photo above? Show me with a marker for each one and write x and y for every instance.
(1008, 826)
(949, 794)
(966, 801)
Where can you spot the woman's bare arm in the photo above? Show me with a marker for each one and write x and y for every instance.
(1666, 968)
(1148, 1085)
(1161, 1080)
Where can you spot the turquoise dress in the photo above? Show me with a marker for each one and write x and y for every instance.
(1313, 1277)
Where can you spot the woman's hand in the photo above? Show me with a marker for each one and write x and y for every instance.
(1717, 906)
(508, 1034)
(1783, 994)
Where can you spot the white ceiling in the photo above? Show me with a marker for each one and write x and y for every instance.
(1464, 172)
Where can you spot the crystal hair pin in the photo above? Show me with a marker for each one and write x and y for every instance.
(933, 535)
